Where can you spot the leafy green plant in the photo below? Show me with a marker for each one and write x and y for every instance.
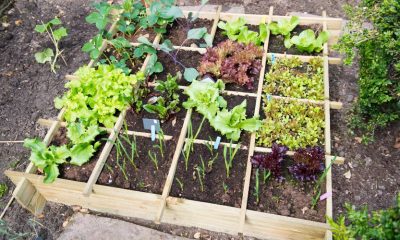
(82, 137)
(238, 31)
(380, 224)
(308, 42)
(257, 186)
(290, 123)
(288, 78)
(377, 45)
(201, 173)
(205, 98)
(284, 27)
(231, 123)
(233, 62)
(97, 95)
(47, 159)
(55, 35)
(162, 13)
(3, 189)
(229, 160)
(168, 103)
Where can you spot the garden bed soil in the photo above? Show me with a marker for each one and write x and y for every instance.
(73, 172)
(288, 198)
(276, 42)
(214, 178)
(220, 37)
(147, 33)
(171, 126)
(191, 59)
(177, 32)
(146, 177)
(207, 131)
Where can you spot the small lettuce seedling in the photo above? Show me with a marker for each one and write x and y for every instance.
(48, 55)
(307, 41)
(238, 31)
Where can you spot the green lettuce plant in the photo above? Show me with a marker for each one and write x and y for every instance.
(47, 159)
(284, 27)
(308, 42)
(96, 96)
(231, 123)
(238, 31)
(55, 35)
(205, 98)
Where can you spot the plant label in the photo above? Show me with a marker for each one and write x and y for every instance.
(325, 196)
(272, 58)
(153, 125)
(216, 143)
(269, 97)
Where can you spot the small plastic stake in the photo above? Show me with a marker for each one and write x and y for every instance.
(153, 133)
(325, 196)
(272, 58)
(269, 97)
(216, 143)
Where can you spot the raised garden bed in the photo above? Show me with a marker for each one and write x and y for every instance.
(219, 203)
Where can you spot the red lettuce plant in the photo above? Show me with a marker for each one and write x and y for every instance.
(308, 163)
(271, 161)
(233, 62)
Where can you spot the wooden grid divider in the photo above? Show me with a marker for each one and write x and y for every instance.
(48, 123)
(332, 60)
(215, 24)
(329, 207)
(246, 185)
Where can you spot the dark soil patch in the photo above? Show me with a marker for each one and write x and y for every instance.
(171, 126)
(73, 172)
(220, 37)
(146, 177)
(286, 198)
(147, 33)
(177, 32)
(207, 131)
(276, 42)
(190, 59)
(214, 179)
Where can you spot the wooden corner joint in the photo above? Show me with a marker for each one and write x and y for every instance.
(29, 197)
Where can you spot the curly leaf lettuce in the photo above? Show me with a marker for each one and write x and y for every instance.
(231, 123)
(97, 95)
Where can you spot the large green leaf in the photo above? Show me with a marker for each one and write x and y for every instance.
(51, 173)
(44, 56)
(196, 33)
(81, 153)
(60, 33)
(190, 74)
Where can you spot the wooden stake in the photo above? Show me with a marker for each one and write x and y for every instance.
(215, 25)
(243, 209)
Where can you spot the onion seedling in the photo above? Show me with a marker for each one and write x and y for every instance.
(190, 140)
(201, 173)
(257, 186)
(225, 186)
(153, 158)
(180, 184)
(317, 187)
(229, 161)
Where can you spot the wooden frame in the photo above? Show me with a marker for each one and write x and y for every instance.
(32, 193)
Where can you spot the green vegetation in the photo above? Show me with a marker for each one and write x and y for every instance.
(238, 31)
(228, 159)
(55, 35)
(360, 224)
(379, 73)
(293, 124)
(284, 27)
(308, 42)
(289, 77)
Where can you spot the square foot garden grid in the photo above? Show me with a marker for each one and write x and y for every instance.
(32, 193)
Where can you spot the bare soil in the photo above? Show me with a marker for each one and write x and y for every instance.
(28, 90)
(177, 32)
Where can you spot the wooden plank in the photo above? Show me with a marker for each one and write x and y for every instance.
(104, 199)
(270, 226)
(104, 155)
(202, 14)
(252, 19)
(327, 131)
(331, 104)
(204, 142)
(332, 60)
(172, 169)
(48, 122)
(332, 23)
(246, 185)
(178, 211)
(215, 24)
